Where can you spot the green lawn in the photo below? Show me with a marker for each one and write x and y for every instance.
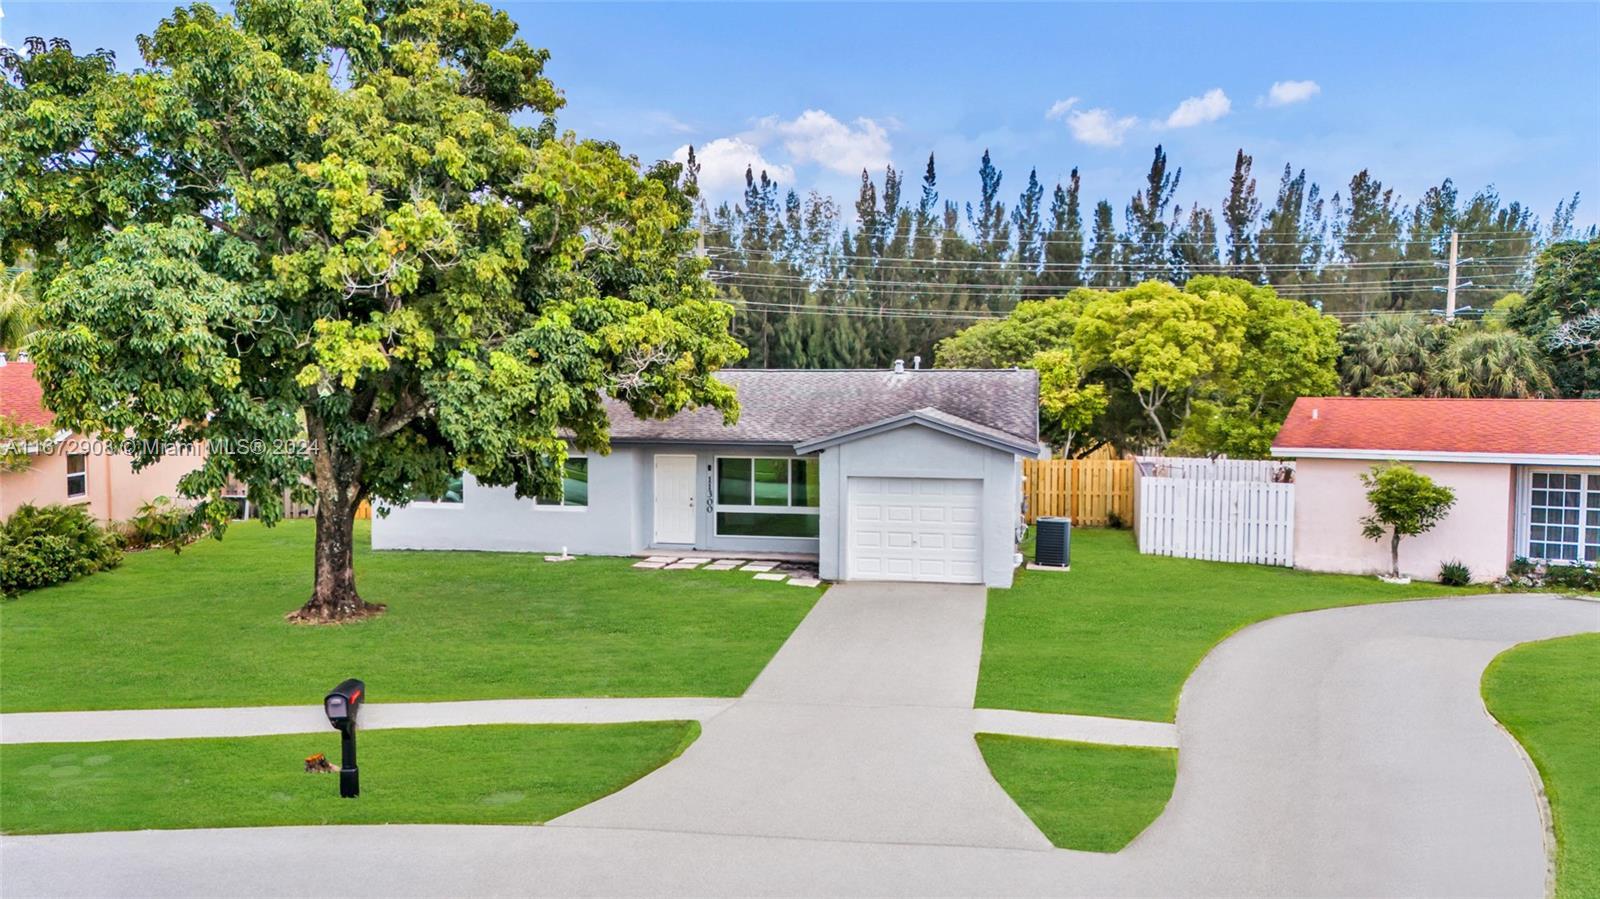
(501, 774)
(1083, 795)
(206, 628)
(1548, 695)
(1120, 633)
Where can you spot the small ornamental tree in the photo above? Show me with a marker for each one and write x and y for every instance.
(352, 225)
(1405, 503)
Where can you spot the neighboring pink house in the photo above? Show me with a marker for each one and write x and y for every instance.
(1526, 475)
(70, 469)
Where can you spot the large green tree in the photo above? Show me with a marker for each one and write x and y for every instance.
(1288, 350)
(353, 220)
(1163, 345)
(1562, 312)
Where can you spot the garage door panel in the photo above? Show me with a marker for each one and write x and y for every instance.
(924, 529)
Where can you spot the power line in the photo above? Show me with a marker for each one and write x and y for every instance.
(1397, 241)
(786, 279)
(720, 253)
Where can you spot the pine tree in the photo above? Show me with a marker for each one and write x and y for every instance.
(1148, 231)
(1106, 257)
(1027, 221)
(1063, 250)
(1284, 247)
(1368, 235)
(1240, 216)
(1194, 245)
(989, 229)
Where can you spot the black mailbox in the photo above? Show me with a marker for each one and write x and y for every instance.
(341, 705)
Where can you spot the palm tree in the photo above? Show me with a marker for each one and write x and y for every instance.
(16, 309)
(1387, 355)
(1490, 363)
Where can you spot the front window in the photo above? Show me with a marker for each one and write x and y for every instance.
(1564, 517)
(77, 474)
(574, 485)
(767, 497)
(453, 490)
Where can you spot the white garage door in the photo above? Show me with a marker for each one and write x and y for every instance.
(915, 529)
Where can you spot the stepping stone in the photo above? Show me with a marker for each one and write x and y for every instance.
(760, 566)
(721, 566)
(665, 560)
(647, 563)
(803, 582)
(771, 577)
(698, 560)
(684, 565)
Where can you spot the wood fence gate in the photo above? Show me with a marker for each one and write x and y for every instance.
(1089, 491)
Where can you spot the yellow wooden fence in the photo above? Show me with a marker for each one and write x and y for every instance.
(1089, 491)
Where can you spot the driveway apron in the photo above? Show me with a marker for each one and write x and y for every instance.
(859, 729)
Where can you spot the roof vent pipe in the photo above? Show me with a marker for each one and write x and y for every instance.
(22, 356)
(899, 366)
(1314, 411)
(2, 357)
(916, 363)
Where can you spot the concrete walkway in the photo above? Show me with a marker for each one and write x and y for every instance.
(860, 729)
(1335, 753)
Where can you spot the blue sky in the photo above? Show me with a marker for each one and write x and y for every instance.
(1507, 95)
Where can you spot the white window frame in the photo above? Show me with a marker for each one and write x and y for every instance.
(1525, 511)
(565, 506)
(82, 476)
(718, 507)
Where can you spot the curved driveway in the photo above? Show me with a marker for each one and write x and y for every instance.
(1336, 753)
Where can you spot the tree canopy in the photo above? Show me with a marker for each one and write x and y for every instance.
(1562, 313)
(1212, 367)
(354, 224)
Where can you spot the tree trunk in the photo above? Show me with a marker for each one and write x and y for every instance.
(1394, 555)
(333, 592)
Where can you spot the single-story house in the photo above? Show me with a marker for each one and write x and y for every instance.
(1526, 474)
(881, 475)
(68, 468)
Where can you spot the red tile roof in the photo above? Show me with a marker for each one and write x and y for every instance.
(1418, 427)
(20, 397)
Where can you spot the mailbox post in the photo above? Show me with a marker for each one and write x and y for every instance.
(341, 705)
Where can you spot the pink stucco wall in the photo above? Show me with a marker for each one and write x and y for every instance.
(1330, 503)
(115, 490)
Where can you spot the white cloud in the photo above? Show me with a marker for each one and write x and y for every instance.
(815, 136)
(724, 160)
(1208, 107)
(1283, 93)
(1060, 108)
(1099, 127)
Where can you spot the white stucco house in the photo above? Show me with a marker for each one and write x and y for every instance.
(881, 475)
(1526, 474)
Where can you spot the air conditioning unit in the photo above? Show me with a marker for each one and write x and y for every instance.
(1052, 545)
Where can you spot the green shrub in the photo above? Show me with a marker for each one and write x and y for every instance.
(1522, 572)
(159, 523)
(44, 545)
(1455, 574)
(1572, 577)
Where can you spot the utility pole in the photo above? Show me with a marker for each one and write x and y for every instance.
(1450, 288)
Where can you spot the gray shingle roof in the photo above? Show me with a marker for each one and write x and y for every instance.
(790, 406)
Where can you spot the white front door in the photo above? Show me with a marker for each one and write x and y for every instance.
(674, 494)
(915, 529)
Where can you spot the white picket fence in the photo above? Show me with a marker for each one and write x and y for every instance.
(1200, 516)
(1264, 471)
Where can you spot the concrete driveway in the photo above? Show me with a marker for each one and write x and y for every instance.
(859, 729)
(1335, 753)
